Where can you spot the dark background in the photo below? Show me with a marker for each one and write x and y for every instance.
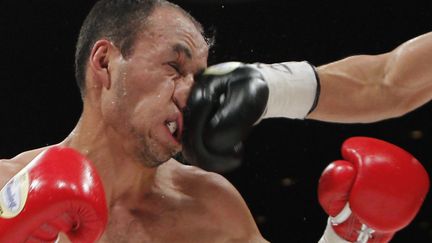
(284, 158)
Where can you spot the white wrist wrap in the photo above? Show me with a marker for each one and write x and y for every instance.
(330, 236)
(293, 89)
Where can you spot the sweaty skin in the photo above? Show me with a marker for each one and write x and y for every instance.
(122, 130)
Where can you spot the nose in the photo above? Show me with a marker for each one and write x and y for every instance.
(182, 90)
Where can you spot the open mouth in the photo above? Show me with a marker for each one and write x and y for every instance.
(174, 128)
(174, 125)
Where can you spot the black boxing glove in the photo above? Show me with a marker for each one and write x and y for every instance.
(229, 98)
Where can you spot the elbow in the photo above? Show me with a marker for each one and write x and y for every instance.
(408, 104)
(395, 94)
(402, 101)
(388, 102)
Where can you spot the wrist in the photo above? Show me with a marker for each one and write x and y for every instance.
(330, 235)
(293, 89)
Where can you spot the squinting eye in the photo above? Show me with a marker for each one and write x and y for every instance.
(174, 66)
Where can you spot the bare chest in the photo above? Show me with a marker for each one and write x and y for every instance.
(175, 223)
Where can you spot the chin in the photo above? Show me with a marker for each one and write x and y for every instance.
(153, 164)
(153, 153)
(179, 157)
(152, 159)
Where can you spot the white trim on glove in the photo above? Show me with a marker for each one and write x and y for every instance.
(293, 89)
(330, 236)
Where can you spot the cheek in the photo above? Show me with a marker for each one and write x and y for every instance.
(116, 111)
(157, 90)
(151, 82)
(154, 101)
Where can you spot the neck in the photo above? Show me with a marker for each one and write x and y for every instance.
(121, 173)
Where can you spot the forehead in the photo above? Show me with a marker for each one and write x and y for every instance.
(169, 25)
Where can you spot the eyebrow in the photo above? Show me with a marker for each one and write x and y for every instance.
(180, 48)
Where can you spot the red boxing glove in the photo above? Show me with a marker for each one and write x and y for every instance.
(376, 191)
(59, 191)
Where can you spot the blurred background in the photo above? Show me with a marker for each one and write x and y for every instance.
(40, 103)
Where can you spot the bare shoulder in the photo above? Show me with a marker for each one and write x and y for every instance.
(9, 167)
(221, 198)
(423, 40)
(198, 181)
(25, 157)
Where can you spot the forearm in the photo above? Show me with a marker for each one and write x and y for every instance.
(352, 90)
(367, 88)
(330, 236)
(63, 239)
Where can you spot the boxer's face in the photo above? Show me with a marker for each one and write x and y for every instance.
(150, 87)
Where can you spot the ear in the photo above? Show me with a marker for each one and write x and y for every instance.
(99, 61)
